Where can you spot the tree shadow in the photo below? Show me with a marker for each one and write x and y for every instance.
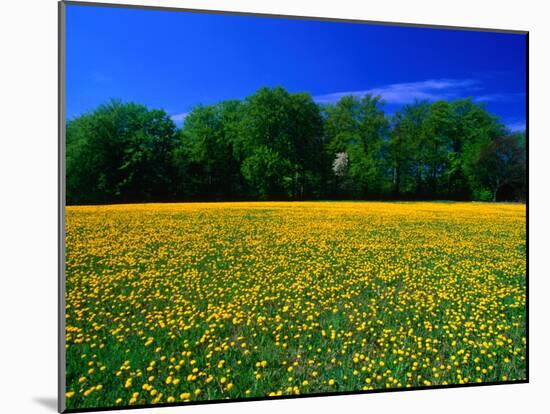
(47, 402)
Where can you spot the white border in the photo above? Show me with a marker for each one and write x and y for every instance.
(28, 163)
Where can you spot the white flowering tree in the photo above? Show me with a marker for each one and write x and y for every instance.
(340, 164)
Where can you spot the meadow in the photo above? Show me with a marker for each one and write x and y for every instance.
(183, 302)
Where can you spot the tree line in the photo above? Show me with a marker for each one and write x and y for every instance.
(276, 145)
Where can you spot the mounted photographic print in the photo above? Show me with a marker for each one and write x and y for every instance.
(257, 207)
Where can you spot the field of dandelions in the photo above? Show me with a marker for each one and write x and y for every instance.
(183, 302)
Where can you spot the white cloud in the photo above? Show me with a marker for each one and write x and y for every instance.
(500, 97)
(99, 77)
(179, 118)
(489, 98)
(516, 126)
(408, 92)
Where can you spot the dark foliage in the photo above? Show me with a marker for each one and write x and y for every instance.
(280, 146)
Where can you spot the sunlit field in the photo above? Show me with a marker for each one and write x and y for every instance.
(183, 302)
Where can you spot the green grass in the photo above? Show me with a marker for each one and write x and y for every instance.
(368, 295)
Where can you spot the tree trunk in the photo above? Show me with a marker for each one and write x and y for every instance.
(396, 179)
(495, 190)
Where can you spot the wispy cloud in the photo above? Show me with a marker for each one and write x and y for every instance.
(499, 97)
(408, 92)
(99, 77)
(516, 126)
(489, 98)
(179, 118)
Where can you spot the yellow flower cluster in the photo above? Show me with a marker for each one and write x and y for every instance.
(183, 302)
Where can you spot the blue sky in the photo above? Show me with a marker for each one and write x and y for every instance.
(175, 60)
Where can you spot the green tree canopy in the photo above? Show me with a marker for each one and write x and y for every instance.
(359, 128)
(277, 145)
(119, 153)
(205, 161)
